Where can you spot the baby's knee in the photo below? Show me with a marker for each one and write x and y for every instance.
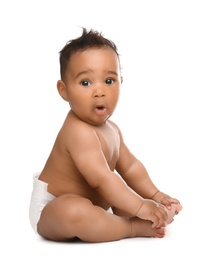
(74, 208)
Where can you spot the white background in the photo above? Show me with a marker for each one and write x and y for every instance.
(162, 112)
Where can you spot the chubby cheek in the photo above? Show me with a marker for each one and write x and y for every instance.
(78, 106)
(76, 100)
(115, 98)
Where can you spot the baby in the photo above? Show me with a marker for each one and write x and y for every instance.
(92, 187)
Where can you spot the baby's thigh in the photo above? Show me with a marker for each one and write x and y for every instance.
(58, 218)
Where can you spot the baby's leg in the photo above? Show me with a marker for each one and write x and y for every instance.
(70, 216)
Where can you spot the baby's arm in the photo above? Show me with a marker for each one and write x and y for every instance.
(86, 152)
(137, 177)
(134, 172)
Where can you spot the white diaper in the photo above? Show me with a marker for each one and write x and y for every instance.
(39, 199)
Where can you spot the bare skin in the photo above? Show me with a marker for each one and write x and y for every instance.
(90, 168)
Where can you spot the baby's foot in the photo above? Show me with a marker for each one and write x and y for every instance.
(175, 209)
(178, 207)
(143, 228)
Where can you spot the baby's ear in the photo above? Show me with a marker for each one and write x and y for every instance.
(61, 87)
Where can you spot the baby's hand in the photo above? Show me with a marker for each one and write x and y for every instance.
(155, 212)
(167, 201)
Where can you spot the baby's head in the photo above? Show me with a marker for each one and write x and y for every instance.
(90, 77)
(88, 40)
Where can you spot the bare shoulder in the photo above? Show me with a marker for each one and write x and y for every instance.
(114, 125)
(75, 126)
(74, 131)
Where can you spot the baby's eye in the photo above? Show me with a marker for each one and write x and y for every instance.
(109, 81)
(85, 83)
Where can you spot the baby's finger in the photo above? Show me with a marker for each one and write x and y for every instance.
(155, 222)
(167, 202)
(159, 219)
(172, 200)
(158, 223)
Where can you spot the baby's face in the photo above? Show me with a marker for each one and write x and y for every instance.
(93, 81)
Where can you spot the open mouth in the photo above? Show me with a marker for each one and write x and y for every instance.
(100, 109)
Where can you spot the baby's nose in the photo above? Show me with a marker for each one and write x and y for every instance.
(99, 91)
